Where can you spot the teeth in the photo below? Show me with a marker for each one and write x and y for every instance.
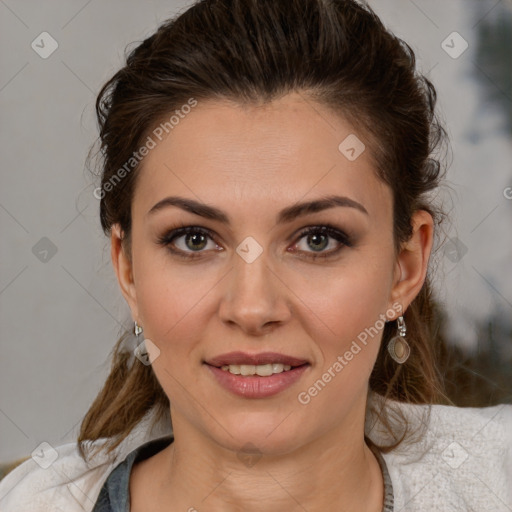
(263, 370)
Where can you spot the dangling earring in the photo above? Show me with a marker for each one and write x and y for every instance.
(140, 351)
(398, 347)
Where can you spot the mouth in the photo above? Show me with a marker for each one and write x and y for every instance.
(263, 364)
(256, 375)
(263, 370)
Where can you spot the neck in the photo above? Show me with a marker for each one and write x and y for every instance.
(334, 472)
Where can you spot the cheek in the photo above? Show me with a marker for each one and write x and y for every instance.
(349, 300)
(175, 305)
(352, 309)
(172, 305)
(352, 313)
(172, 300)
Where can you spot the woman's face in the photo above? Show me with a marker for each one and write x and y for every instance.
(246, 279)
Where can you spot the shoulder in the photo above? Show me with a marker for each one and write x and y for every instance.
(59, 479)
(63, 481)
(462, 461)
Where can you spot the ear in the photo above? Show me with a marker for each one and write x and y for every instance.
(123, 269)
(412, 260)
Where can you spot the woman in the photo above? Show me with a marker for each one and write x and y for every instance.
(267, 188)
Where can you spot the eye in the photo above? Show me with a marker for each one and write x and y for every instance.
(317, 239)
(187, 240)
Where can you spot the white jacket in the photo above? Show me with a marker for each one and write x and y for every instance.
(462, 462)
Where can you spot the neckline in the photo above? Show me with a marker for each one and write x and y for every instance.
(114, 495)
(388, 505)
(115, 492)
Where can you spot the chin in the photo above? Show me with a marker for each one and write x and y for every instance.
(260, 433)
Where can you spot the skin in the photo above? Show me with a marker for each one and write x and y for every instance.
(250, 162)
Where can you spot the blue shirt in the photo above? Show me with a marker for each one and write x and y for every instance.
(115, 493)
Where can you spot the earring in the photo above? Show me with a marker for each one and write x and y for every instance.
(137, 329)
(140, 351)
(398, 347)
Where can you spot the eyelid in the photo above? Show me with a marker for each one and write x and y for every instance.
(181, 230)
(336, 233)
(328, 229)
(341, 237)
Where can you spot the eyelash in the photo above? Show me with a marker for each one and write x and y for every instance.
(326, 229)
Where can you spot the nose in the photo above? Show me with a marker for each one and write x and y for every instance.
(254, 298)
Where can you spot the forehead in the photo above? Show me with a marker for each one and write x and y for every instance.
(255, 156)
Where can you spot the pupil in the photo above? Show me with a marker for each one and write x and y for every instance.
(314, 237)
(194, 237)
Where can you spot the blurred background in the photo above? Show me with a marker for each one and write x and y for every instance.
(60, 308)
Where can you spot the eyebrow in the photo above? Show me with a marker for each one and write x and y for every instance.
(286, 215)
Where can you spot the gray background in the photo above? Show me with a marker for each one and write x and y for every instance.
(61, 312)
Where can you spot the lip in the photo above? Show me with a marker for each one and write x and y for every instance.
(254, 386)
(256, 359)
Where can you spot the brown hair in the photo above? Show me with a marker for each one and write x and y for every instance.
(336, 52)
